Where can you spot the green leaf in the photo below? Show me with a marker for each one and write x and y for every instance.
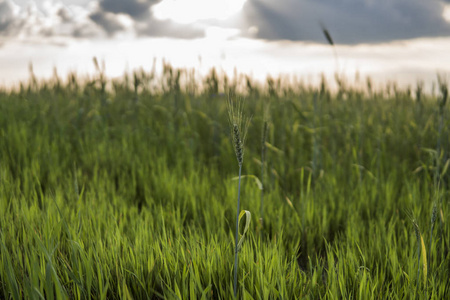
(248, 218)
(9, 270)
(424, 259)
(257, 181)
(273, 148)
(444, 171)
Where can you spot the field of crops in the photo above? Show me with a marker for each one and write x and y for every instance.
(127, 189)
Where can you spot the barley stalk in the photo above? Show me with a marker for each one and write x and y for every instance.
(433, 220)
(263, 156)
(421, 252)
(442, 82)
(239, 126)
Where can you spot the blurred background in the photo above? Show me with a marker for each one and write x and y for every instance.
(405, 41)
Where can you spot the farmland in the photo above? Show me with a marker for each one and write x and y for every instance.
(126, 188)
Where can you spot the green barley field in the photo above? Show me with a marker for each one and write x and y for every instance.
(127, 189)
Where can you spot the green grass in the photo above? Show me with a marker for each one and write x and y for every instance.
(124, 189)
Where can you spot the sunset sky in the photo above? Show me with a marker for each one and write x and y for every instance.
(402, 40)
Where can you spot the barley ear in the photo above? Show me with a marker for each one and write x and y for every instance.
(434, 214)
(239, 127)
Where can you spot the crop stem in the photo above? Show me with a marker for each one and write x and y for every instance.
(237, 234)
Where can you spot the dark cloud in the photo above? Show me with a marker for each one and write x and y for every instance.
(107, 21)
(64, 14)
(35, 21)
(134, 8)
(6, 17)
(348, 21)
(84, 31)
(145, 23)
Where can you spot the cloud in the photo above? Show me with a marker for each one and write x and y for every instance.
(144, 22)
(348, 21)
(48, 21)
(7, 16)
(133, 8)
(58, 21)
(165, 28)
(107, 21)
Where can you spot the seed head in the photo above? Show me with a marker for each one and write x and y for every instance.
(442, 82)
(434, 213)
(239, 126)
(238, 144)
(410, 214)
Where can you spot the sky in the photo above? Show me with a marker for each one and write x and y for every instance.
(388, 40)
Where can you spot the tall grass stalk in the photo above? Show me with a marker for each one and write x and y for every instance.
(330, 41)
(441, 104)
(433, 220)
(421, 253)
(437, 178)
(263, 156)
(315, 160)
(236, 236)
(101, 79)
(239, 126)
